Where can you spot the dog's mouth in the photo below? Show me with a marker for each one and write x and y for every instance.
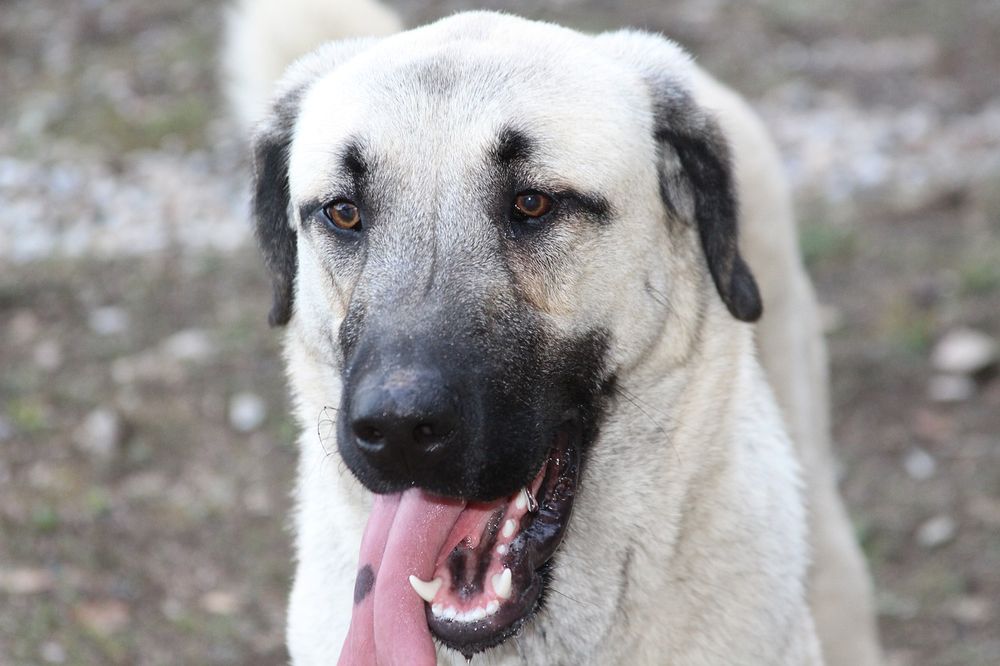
(489, 570)
(468, 573)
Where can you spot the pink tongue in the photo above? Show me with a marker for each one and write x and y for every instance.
(404, 535)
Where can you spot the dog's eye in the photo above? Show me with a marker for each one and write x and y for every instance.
(343, 214)
(532, 204)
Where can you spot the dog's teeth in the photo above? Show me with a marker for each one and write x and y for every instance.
(449, 613)
(477, 614)
(508, 528)
(502, 549)
(492, 607)
(522, 499)
(532, 502)
(437, 610)
(426, 589)
(502, 583)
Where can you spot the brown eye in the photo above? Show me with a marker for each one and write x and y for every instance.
(532, 204)
(343, 214)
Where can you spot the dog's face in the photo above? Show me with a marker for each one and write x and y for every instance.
(480, 223)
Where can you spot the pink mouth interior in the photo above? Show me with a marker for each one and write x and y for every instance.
(414, 533)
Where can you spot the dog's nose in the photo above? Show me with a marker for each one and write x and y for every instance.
(403, 420)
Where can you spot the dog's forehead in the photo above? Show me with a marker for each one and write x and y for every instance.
(443, 95)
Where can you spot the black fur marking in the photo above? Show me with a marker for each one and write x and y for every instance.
(354, 163)
(275, 236)
(704, 157)
(363, 584)
(277, 239)
(591, 205)
(512, 145)
(518, 385)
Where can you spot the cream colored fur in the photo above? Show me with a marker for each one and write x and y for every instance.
(693, 496)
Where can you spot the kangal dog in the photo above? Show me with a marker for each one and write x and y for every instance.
(506, 257)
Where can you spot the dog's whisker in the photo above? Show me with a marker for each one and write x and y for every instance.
(577, 601)
(635, 401)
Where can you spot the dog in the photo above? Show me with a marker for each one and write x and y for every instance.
(516, 302)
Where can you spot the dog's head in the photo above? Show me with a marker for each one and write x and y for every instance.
(480, 224)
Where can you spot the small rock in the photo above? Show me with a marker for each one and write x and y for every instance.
(101, 433)
(220, 602)
(970, 610)
(26, 581)
(950, 388)
(964, 351)
(192, 345)
(109, 320)
(6, 430)
(247, 412)
(104, 617)
(937, 531)
(48, 355)
(919, 464)
(53, 653)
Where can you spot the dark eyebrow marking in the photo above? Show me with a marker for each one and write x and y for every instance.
(358, 170)
(354, 162)
(585, 203)
(512, 145)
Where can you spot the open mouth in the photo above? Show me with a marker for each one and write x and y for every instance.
(468, 573)
(487, 578)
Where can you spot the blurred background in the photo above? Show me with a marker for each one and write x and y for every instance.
(146, 450)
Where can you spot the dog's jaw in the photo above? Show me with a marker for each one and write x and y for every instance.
(477, 612)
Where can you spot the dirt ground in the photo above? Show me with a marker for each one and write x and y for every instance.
(146, 450)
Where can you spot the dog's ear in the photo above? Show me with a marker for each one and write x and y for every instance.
(275, 229)
(696, 177)
(703, 157)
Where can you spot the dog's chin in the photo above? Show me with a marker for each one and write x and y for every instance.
(495, 580)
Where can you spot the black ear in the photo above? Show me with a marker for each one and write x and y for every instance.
(275, 232)
(703, 158)
(696, 180)
(276, 237)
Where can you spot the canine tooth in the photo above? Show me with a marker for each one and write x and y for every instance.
(509, 527)
(532, 502)
(426, 589)
(502, 549)
(502, 583)
(522, 499)
(477, 614)
(492, 607)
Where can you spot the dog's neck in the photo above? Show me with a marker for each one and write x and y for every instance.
(700, 432)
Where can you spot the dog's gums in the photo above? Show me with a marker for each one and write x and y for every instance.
(487, 580)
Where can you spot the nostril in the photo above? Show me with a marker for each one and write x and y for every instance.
(368, 435)
(427, 433)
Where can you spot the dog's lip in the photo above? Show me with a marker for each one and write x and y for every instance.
(526, 557)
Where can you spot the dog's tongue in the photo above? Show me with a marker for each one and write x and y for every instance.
(404, 535)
